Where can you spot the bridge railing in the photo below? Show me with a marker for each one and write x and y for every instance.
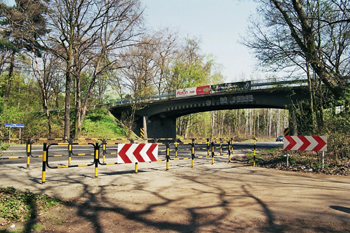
(255, 85)
(268, 83)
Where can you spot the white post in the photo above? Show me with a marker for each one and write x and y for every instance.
(322, 159)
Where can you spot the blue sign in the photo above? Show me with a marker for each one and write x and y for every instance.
(7, 125)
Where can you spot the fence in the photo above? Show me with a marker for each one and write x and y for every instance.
(214, 148)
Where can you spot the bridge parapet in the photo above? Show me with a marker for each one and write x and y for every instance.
(264, 84)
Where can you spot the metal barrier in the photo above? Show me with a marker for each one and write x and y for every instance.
(46, 158)
(210, 145)
(12, 157)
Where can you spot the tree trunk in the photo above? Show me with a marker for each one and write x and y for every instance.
(67, 104)
(312, 95)
(10, 77)
(78, 112)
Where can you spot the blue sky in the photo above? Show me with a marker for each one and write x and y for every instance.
(218, 23)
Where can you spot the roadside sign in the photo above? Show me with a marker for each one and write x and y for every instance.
(131, 153)
(308, 143)
(8, 125)
(20, 126)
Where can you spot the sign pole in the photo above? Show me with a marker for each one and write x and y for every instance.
(8, 125)
(322, 159)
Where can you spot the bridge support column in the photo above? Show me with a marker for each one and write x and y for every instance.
(144, 122)
(293, 126)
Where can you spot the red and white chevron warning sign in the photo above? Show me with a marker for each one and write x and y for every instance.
(132, 153)
(309, 143)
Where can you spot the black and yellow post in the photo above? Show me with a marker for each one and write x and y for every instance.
(96, 160)
(254, 151)
(142, 133)
(176, 148)
(208, 147)
(43, 176)
(70, 151)
(220, 146)
(167, 155)
(212, 152)
(104, 151)
(286, 132)
(136, 167)
(29, 152)
(192, 145)
(229, 151)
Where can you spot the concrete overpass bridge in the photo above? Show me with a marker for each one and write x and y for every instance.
(158, 117)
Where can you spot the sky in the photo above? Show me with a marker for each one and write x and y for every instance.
(219, 24)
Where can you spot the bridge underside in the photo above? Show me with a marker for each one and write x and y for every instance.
(159, 118)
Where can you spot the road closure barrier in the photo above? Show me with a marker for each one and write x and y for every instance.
(116, 151)
(46, 157)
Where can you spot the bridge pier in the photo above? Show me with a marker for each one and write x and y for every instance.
(156, 127)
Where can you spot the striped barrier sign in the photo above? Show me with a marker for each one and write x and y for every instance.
(305, 143)
(132, 153)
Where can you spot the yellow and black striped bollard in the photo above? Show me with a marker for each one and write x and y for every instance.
(167, 156)
(192, 145)
(229, 151)
(176, 148)
(254, 151)
(44, 164)
(29, 152)
(96, 160)
(212, 152)
(70, 151)
(208, 148)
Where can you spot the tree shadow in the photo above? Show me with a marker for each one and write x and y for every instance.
(94, 201)
(341, 208)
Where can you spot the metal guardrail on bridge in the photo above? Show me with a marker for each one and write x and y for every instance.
(255, 85)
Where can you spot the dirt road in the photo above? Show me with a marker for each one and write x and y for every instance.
(223, 197)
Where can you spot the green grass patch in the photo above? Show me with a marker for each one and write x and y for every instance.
(17, 205)
(98, 123)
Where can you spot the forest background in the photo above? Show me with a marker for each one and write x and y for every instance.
(60, 61)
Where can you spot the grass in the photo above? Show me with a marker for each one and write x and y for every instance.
(17, 206)
(100, 124)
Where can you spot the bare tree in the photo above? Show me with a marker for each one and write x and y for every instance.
(296, 33)
(89, 35)
(48, 77)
